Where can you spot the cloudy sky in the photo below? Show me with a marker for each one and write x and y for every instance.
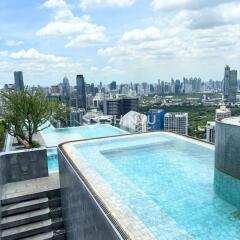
(122, 40)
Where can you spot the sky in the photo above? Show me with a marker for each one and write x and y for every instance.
(118, 40)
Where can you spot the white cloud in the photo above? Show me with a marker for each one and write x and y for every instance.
(174, 43)
(79, 31)
(33, 54)
(11, 43)
(86, 4)
(227, 14)
(3, 53)
(186, 4)
(55, 4)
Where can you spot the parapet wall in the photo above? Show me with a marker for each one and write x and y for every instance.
(227, 162)
(23, 165)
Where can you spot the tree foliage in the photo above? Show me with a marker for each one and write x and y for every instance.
(25, 113)
(61, 113)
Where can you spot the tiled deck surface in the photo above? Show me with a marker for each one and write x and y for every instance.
(18, 189)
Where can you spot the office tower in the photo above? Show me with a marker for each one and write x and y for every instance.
(81, 92)
(222, 112)
(176, 122)
(113, 86)
(121, 106)
(155, 120)
(66, 89)
(230, 85)
(151, 89)
(76, 117)
(93, 89)
(177, 87)
(210, 130)
(18, 79)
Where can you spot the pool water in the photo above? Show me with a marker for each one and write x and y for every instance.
(52, 156)
(167, 182)
(55, 136)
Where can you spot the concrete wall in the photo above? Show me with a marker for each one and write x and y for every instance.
(24, 165)
(227, 149)
(83, 218)
(227, 162)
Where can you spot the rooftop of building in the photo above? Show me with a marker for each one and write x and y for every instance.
(232, 121)
(176, 114)
(223, 109)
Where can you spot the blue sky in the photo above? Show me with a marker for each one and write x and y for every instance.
(122, 40)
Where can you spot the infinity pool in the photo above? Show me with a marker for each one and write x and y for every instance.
(55, 136)
(164, 180)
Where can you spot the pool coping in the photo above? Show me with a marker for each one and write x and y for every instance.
(116, 213)
(77, 127)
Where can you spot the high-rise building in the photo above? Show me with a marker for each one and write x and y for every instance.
(113, 86)
(222, 113)
(176, 122)
(18, 79)
(76, 117)
(177, 87)
(121, 106)
(81, 92)
(210, 130)
(230, 85)
(155, 120)
(66, 89)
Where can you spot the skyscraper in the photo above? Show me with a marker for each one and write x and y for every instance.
(18, 79)
(66, 89)
(210, 132)
(176, 122)
(81, 92)
(230, 85)
(113, 85)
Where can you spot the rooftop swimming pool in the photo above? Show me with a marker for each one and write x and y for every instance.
(55, 136)
(161, 181)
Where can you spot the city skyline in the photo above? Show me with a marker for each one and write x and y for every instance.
(144, 41)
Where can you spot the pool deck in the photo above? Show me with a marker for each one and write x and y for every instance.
(29, 187)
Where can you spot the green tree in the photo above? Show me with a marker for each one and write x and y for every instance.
(25, 114)
(61, 113)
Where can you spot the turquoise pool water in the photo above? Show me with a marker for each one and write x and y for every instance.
(167, 182)
(55, 136)
(52, 156)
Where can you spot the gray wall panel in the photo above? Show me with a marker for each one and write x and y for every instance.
(82, 217)
(24, 165)
(227, 149)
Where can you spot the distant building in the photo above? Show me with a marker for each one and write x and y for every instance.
(176, 122)
(9, 86)
(230, 85)
(222, 113)
(155, 120)
(66, 89)
(81, 92)
(76, 117)
(18, 79)
(113, 86)
(210, 130)
(120, 107)
(55, 89)
(134, 122)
